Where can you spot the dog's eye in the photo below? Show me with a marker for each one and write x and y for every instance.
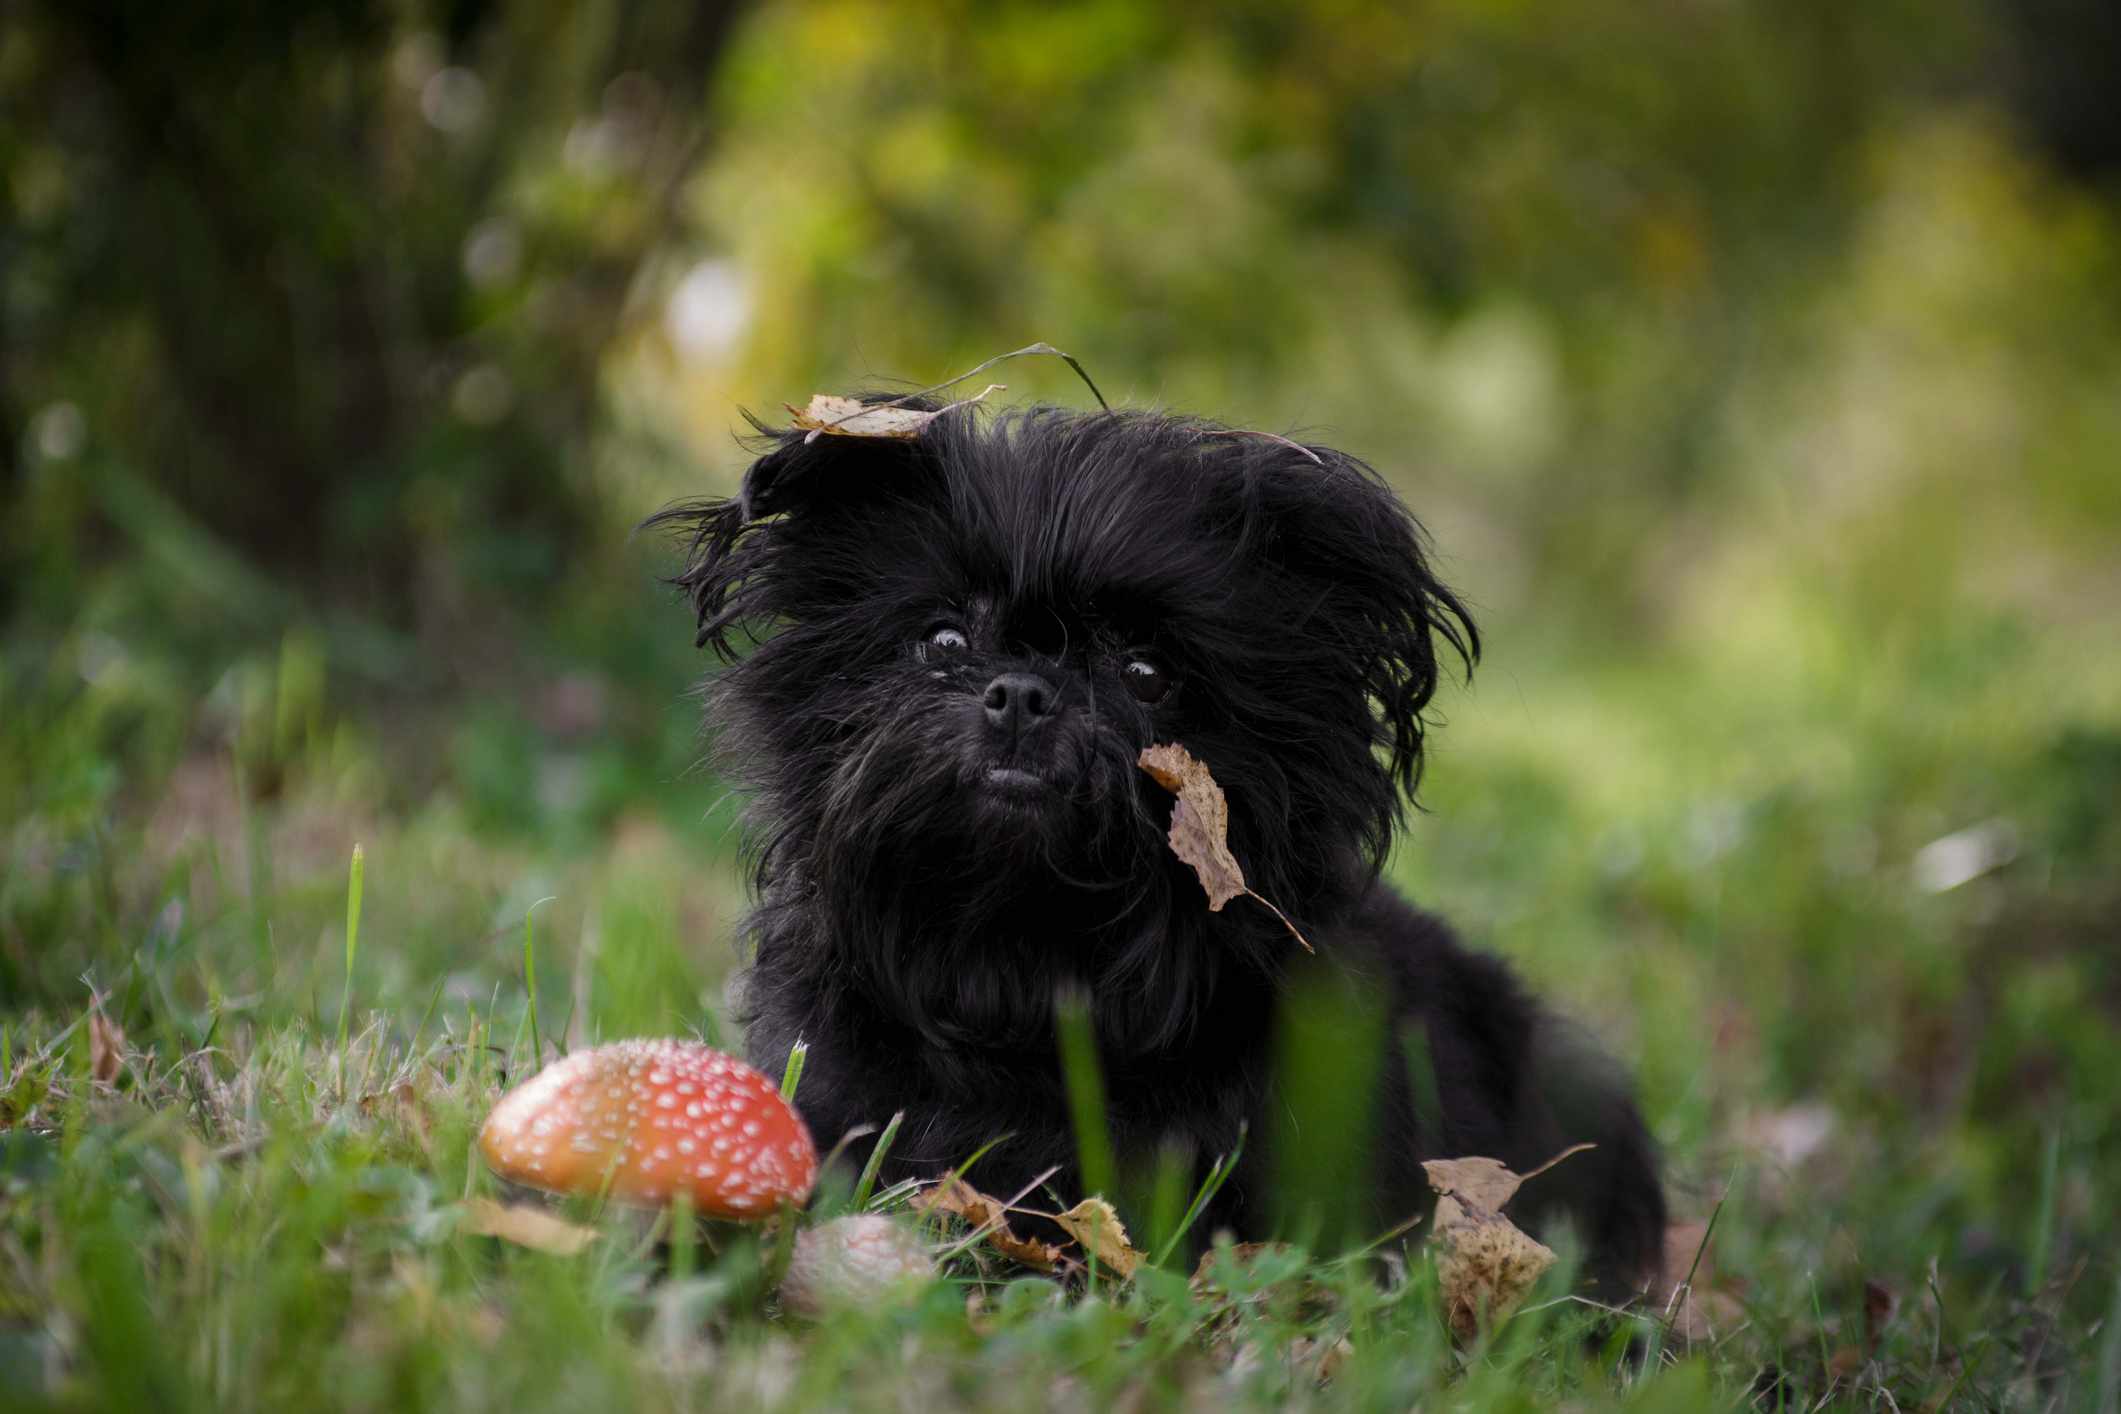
(947, 638)
(1148, 680)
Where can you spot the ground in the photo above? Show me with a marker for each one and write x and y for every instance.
(1842, 912)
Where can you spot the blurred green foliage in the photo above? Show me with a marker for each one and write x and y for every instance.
(1754, 365)
(308, 300)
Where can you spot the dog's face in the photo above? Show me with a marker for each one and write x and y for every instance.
(964, 640)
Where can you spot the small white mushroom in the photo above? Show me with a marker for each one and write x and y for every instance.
(852, 1261)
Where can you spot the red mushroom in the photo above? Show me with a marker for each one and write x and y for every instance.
(647, 1120)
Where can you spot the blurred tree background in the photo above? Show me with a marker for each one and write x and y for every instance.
(1757, 366)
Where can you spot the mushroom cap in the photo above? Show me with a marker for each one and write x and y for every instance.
(646, 1120)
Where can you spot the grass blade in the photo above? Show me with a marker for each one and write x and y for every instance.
(1218, 1174)
(792, 1073)
(867, 1183)
(2109, 1395)
(1086, 1092)
(2044, 1213)
(353, 940)
(530, 980)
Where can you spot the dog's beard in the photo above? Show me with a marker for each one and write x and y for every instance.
(966, 882)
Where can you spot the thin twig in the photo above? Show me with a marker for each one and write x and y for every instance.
(1293, 932)
(1293, 446)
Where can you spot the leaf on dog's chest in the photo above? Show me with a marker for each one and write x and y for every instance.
(1200, 822)
(1484, 1262)
(1200, 827)
(1095, 1225)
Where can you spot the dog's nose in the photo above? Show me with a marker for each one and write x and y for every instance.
(1017, 701)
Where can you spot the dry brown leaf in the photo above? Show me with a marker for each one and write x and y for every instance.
(525, 1226)
(106, 1047)
(832, 415)
(1200, 827)
(1200, 822)
(1484, 1262)
(1027, 1251)
(1484, 1269)
(1240, 1255)
(1479, 1182)
(960, 1199)
(1097, 1227)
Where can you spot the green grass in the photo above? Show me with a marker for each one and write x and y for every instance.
(1868, 1084)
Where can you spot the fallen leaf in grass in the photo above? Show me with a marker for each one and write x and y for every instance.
(1200, 827)
(1027, 1251)
(1484, 1262)
(1478, 1182)
(1218, 1264)
(1232, 1278)
(525, 1226)
(1097, 1227)
(1484, 1269)
(106, 1047)
(832, 415)
(961, 1200)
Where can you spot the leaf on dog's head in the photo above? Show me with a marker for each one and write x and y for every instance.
(851, 417)
(1200, 827)
(1095, 1225)
(831, 414)
(1484, 1262)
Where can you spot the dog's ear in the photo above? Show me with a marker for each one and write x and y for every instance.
(731, 544)
(1338, 525)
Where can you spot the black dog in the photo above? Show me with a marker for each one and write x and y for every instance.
(963, 640)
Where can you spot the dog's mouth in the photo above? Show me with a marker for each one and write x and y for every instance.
(1014, 780)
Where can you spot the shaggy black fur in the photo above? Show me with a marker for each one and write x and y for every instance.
(961, 643)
